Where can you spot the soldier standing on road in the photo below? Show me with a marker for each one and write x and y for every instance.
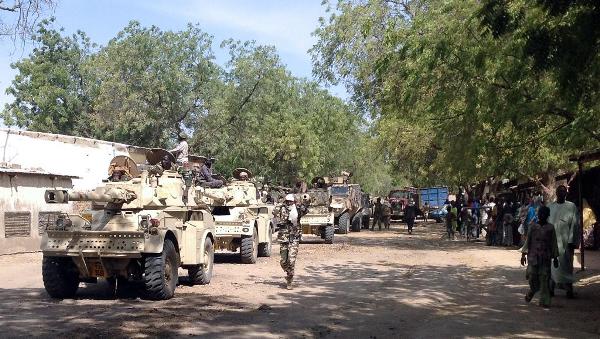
(289, 237)
(410, 213)
(377, 214)
(182, 149)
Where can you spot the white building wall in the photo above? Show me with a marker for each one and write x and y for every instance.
(25, 193)
(85, 158)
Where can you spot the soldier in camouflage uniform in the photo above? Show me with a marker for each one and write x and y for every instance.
(289, 237)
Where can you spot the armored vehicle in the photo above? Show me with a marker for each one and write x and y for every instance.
(242, 221)
(138, 232)
(348, 206)
(319, 217)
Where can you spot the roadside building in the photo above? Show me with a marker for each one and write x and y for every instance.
(31, 163)
(24, 214)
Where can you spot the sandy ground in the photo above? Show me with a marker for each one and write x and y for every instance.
(366, 285)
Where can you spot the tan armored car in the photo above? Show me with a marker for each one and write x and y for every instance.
(349, 205)
(242, 220)
(138, 232)
(319, 217)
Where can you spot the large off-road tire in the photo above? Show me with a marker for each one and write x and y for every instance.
(328, 235)
(160, 273)
(357, 223)
(61, 277)
(265, 248)
(344, 223)
(249, 248)
(201, 274)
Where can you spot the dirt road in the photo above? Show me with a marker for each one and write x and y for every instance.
(366, 285)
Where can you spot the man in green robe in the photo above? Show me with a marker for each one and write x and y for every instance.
(564, 217)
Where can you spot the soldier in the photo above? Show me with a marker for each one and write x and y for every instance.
(243, 176)
(410, 213)
(181, 151)
(166, 163)
(377, 214)
(289, 237)
(206, 176)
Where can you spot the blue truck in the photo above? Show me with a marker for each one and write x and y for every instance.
(436, 198)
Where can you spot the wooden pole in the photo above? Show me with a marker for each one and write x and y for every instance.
(580, 186)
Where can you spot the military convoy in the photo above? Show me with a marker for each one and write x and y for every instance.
(242, 221)
(147, 221)
(139, 231)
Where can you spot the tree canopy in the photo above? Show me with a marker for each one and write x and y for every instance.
(462, 90)
(147, 85)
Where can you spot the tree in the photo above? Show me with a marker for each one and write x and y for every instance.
(150, 84)
(50, 89)
(18, 18)
(146, 85)
(453, 99)
(281, 127)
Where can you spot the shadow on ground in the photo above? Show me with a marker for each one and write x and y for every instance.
(379, 300)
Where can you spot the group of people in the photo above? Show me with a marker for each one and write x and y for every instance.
(204, 173)
(550, 242)
(504, 221)
(382, 214)
(548, 233)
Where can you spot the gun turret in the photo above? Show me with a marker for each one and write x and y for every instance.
(115, 195)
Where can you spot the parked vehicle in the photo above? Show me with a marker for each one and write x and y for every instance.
(399, 199)
(434, 197)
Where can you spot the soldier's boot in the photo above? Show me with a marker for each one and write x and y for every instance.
(289, 278)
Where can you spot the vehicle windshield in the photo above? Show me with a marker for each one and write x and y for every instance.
(339, 190)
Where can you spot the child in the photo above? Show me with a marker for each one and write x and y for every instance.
(539, 250)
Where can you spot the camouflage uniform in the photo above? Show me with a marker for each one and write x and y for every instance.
(289, 239)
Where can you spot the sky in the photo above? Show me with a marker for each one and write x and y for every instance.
(286, 24)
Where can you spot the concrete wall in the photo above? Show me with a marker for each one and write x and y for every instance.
(25, 193)
(85, 158)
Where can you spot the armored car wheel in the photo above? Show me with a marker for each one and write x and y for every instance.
(344, 223)
(264, 249)
(329, 232)
(160, 273)
(61, 277)
(249, 248)
(201, 274)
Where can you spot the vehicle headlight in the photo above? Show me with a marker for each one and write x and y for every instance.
(144, 222)
(63, 222)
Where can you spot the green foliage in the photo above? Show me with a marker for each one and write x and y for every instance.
(146, 85)
(149, 84)
(50, 89)
(462, 90)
